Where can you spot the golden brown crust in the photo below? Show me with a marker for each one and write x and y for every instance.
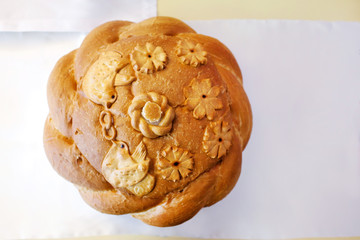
(209, 188)
(68, 161)
(157, 26)
(96, 40)
(158, 115)
(61, 84)
(116, 202)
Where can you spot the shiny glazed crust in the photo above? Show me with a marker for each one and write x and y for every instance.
(148, 118)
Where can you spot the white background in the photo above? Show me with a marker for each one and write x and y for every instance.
(70, 15)
(301, 169)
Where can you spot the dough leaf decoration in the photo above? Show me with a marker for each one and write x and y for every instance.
(143, 187)
(125, 76)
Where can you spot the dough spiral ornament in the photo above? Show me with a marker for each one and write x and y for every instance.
(151, 114)
(106, 122)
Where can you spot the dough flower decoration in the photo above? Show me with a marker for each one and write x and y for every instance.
(201, 97)
(151, 114)
(191, 54)
(123, 170)
(217, 139)
(174, 163)
(148, 58)
(107, 123)
(107, 72)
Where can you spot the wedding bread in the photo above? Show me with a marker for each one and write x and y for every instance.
(148, 118)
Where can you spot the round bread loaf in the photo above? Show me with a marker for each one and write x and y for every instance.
(148, 118)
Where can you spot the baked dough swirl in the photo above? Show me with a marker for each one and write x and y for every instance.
(151, 114)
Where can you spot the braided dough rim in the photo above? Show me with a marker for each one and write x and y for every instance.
(166, 211)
